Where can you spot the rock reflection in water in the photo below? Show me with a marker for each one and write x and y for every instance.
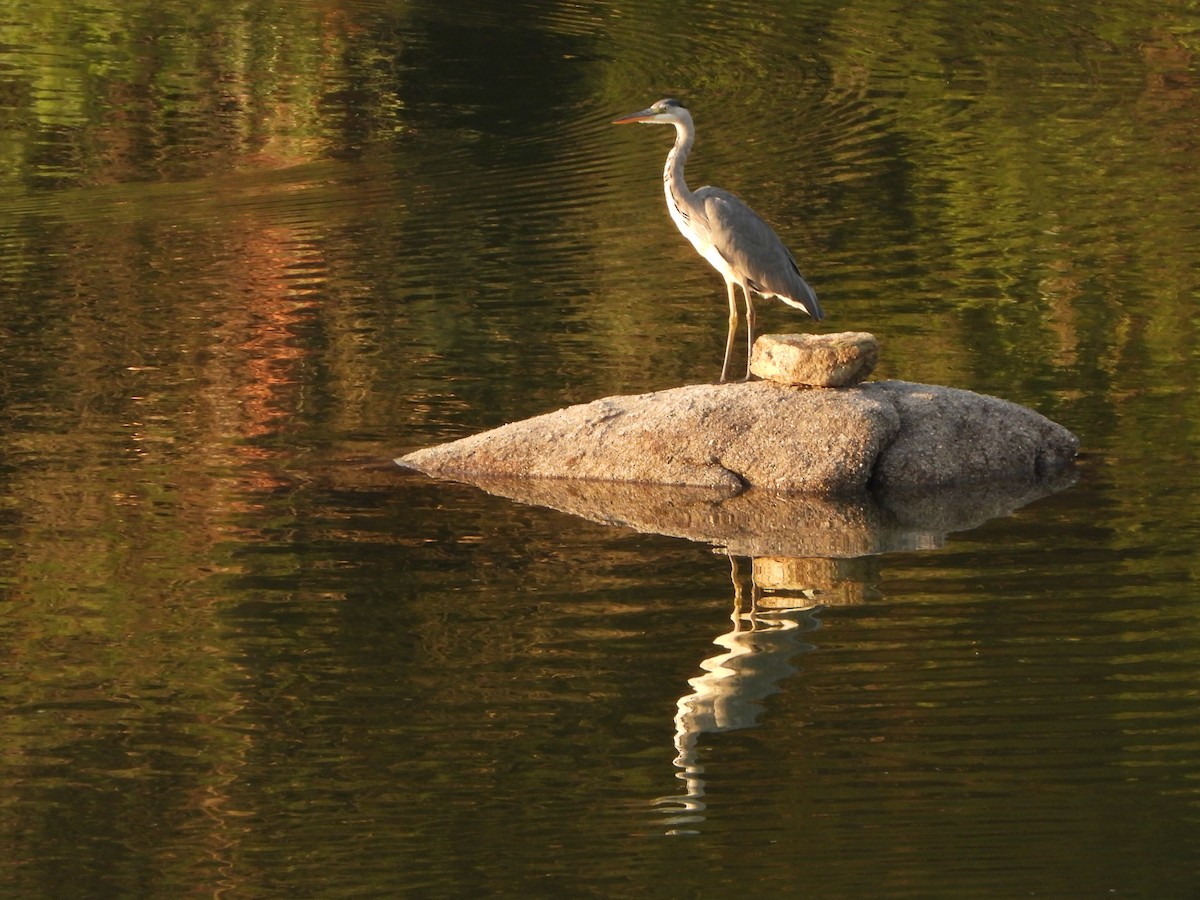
(762, 523)
(805, 551)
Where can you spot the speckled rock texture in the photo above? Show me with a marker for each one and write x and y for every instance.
(881, 436)
(819, 360)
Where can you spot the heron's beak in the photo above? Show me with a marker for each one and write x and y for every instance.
(642, 115)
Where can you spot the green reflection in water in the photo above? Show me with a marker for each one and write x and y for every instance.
(248, 252)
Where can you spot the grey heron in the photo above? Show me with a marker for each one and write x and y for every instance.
(726, 232)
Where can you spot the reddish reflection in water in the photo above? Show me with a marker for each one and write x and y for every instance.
(249, 254)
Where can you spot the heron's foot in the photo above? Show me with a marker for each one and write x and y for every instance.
(745, 380)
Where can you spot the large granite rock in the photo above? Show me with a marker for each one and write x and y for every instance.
(881, 435)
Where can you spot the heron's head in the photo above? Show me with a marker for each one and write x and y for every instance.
(667, 111)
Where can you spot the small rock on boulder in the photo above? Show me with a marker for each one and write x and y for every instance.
(818, 360)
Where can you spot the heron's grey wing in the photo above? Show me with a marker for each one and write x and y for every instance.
(754, 251)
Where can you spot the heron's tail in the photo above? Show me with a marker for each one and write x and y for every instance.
(806, 300)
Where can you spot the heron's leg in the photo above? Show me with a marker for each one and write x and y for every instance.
(749, 329)
(733, 318)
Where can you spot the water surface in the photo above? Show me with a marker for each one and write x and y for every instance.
(251, 252)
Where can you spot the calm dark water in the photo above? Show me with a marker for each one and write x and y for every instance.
(251, 252)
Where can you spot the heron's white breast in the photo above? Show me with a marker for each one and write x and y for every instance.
(709, 252)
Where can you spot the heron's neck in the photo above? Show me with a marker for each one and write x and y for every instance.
(674, 186)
